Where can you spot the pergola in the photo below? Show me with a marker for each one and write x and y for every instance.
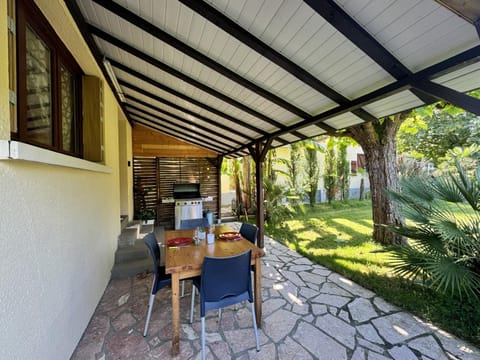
(242, 76)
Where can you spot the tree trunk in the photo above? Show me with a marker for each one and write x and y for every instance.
(362, 188)
(378, 140)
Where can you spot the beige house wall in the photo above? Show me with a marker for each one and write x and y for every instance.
(59, 224)
(4, 102)
(125, 166)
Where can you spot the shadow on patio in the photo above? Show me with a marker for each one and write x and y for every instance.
(309, 312)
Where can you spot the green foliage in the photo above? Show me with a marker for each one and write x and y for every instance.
(275, 212)
(343, 169)
(294, 172)
(330, 170)
(445, 232)
(468, 157)
(312, 168)
(434, 130)
(336, 176)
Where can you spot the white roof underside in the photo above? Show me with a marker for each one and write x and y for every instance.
(417, 33)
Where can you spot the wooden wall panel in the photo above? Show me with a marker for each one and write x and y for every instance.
(149, 142)
(144, 184)
(159, 174)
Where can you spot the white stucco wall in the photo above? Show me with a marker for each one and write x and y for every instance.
(58, 228)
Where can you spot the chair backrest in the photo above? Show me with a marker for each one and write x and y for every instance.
(161, 279)
(151, 241)
(193, 223)
(249, 232)
(225, 281)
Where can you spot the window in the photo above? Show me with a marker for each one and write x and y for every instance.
(48, 91)
(353, 167)
(361, 161)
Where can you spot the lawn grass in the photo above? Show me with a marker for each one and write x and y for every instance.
(339, 237)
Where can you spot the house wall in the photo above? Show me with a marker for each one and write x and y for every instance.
(58, 228)
(125, 166)
(4, 104)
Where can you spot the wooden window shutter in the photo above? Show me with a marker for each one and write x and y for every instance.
(93, 113)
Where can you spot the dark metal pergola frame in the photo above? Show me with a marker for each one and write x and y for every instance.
(239, 143)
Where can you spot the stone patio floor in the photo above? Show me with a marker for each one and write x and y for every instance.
(309, 312)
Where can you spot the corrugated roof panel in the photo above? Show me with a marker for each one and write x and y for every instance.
(290, 137)
(187, 105)
(276, 143)
(305, 38)
(156, 116)
(312, 131)
(185, 88)
(463, 80)
(247, 62)
(418, 33)
(189, 66)
(343, 121)
(394, 104)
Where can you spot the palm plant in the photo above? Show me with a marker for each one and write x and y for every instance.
(444, 248)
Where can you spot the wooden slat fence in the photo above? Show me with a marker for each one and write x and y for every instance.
(159, 174)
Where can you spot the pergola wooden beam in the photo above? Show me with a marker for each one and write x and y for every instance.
(454, 97)
(181, 108)
(212, 140)
(345, 24)
(465, 58)
(155, 31)
(226, 24)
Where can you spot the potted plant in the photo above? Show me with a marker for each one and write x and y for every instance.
(147, 216)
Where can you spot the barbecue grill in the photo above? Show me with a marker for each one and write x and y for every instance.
(188, 202)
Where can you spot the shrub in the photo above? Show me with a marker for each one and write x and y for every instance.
(444, 233)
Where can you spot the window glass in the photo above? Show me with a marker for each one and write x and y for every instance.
(68, 106)
(39, 89)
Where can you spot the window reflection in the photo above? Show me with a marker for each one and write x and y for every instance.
(67, 98)
(39, 90)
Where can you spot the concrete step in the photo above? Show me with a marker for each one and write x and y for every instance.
(145, 229)
(131, 268)
(138, 251)
(123, 221)
(128, 237)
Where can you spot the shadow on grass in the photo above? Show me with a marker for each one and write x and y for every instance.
(337, 236)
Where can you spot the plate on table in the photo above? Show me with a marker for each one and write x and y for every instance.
(180, 241)
(230, 236)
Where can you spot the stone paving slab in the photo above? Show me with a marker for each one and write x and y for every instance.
(309, 312)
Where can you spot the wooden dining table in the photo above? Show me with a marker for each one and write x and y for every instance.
(184, 262)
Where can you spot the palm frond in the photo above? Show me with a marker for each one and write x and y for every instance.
(445, 238)
(447, 190)
(449, 276)
(408, 262)
(469, 187)
(419, 188)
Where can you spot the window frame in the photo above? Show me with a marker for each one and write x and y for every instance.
(30, 16)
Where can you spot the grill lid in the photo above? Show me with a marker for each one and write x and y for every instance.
(186, 191)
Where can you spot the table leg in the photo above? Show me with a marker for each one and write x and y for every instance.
(175, 314)
(258, 291)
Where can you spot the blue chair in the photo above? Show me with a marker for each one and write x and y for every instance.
(249, 232)
(226, 281)
(160, 280)
(194, 223)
